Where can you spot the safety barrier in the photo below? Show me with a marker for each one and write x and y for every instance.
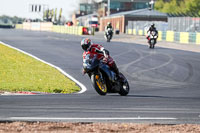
(35, 26)
(75, 30)
(26, 26)
(48, 26)
(198, 38)
(171, 36)
(19, 26)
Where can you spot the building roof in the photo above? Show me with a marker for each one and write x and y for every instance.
(140, 13)
(99, 1)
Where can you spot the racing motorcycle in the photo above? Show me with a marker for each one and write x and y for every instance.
(109, 34)
(103, 79)
(152, 37)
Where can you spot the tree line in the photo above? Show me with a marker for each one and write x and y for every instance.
(11, 20)
(184, 7)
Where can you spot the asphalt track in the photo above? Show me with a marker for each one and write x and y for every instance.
(164, 83)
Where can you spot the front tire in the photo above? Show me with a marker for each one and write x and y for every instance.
(108, 38)
(152, 43)
(99, 86)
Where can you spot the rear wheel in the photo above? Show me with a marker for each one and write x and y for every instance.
(124, 90)
(99, 84)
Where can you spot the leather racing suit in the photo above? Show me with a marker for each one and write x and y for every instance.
(101, 53)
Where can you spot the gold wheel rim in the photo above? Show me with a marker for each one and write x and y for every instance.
(101, 86)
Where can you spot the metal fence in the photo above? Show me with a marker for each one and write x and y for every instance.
(177, 24)
(144, 25)
(184, 24)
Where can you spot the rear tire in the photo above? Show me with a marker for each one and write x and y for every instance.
(96, 84)
(124, 90)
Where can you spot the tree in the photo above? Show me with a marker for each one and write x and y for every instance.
(193, 6)
(159, 5)
(14, 20)
(170, 7)
(178, 6)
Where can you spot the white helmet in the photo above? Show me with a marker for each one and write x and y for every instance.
(109, 23)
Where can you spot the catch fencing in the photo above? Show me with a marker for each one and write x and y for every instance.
(144, 25)
(177, 24)
(177, 29)
(184, 24)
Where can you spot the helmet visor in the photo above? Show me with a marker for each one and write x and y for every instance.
(85, 47)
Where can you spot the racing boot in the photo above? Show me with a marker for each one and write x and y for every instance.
(116, 70)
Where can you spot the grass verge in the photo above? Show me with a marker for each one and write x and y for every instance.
(20, 72)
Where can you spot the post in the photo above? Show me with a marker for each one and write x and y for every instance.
(152, 4)
(108, 12)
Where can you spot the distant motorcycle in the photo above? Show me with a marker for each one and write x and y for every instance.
(152, 38)
(103, 79)
(109, 34)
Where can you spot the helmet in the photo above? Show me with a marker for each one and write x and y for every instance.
(153, 25)
(85, 43)
(109, 23)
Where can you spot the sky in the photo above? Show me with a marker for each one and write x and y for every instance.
(21, 8)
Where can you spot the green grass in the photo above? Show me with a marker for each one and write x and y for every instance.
(20, 72)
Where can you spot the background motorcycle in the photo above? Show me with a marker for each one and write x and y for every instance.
(109, 34)
(152, 37)
(103, 79)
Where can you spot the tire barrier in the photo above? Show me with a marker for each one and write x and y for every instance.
(171, 36)
(48, 26)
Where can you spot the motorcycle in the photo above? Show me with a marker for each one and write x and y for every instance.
(109, 34)
(152, 37)
(103, 79)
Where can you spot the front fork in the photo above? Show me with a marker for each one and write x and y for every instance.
(101, 77)
(99, 74)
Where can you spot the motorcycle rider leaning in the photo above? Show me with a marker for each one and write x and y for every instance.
(152, 28)
(101, 52)
(109, 25)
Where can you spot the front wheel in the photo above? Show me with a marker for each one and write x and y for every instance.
(99, 84)
(152, 43)
(124, 89)
(108, 38)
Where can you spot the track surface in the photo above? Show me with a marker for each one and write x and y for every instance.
(164, 83)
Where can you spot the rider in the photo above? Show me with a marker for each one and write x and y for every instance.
(100, 51)
(152, 28)
(109, 25)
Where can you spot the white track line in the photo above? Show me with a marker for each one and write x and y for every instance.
(83, 88)
(93, 118)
